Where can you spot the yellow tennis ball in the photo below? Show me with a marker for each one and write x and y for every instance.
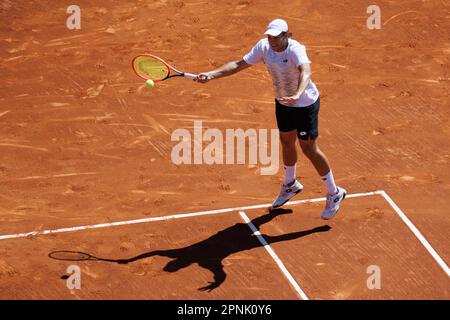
(149, 83)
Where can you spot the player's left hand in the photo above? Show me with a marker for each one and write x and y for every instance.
(287, 100)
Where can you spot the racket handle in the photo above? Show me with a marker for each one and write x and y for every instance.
(190, 75)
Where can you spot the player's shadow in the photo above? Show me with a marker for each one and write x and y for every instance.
(209, 253)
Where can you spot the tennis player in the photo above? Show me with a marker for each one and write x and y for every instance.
(297, 104)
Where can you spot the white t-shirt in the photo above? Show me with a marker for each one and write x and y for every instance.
(283, 68)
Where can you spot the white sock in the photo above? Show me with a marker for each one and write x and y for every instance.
(289, 174)
(329, 182)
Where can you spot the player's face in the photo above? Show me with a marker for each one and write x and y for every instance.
(278, 43)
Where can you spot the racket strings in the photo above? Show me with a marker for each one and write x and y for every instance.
(151, 68)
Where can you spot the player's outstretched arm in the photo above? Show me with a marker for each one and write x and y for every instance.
(226, 70)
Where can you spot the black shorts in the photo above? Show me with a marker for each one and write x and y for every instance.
(304, 119)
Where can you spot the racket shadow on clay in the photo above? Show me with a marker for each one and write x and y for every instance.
(210, 253)
(66, 255)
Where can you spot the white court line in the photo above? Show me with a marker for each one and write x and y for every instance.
(175, 216)
(405, 219)
(272, 253)
(417, 233)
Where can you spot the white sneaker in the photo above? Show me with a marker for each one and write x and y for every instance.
(286, 193)
(333, 202)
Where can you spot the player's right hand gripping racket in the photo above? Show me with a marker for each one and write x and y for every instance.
(148, 66)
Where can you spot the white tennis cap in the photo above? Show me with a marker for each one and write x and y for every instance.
(276, 27)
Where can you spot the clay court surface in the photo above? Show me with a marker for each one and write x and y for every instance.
(83, 142)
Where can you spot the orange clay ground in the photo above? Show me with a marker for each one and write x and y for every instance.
(83, 142)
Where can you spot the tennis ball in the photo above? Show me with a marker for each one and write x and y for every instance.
(149, 83)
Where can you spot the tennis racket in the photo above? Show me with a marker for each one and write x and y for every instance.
(148, 66)
(76, 256)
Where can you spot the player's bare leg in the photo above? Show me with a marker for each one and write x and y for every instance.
(335, 194)
(289, 147)
(291, 186)
(316, 156)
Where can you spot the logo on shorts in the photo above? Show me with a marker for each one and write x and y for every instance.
(303, 133)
